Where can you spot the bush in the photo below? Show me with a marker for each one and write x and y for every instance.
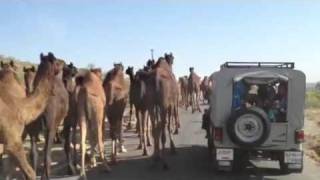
(313, 99)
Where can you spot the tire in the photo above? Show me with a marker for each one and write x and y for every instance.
(248, 128)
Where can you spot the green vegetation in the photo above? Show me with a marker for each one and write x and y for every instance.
(313, 99)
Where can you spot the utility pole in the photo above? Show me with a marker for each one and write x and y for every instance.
(151, 54)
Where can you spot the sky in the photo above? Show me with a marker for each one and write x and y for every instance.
(202, 34)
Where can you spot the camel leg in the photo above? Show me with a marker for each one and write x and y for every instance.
(148, 129)
(163, 138)
(67, 149)
(34, 151)
(139, 117)
(100, 119)
(50, 135)
(74, 143)
(129, 126)
(177, 120)
(113, 151)
(197, 101)
(83, 132)
(144, 126)
(8, 166)
(138, 122)
(15, 149)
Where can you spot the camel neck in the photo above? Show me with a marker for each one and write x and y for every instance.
(35, 104)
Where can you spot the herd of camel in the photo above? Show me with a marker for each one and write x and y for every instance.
(56, 95)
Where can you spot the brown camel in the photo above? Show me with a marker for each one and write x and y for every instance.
(166, 105)
(117, 97)
(141, 101)
(54, 114)
(91, 102)
(70, 122)
(20, 111)
(194, 90)
(184, 90)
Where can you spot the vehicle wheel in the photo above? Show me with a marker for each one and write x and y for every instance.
(210, 141)
(249, 127)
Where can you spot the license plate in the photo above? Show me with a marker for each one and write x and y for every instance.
(292, 157)
(224, 154)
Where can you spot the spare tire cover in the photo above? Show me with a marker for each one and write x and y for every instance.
(249, 127)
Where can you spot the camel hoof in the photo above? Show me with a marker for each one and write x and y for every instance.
(83, 177)
(145, 153)
(176, 132)
(139, 147)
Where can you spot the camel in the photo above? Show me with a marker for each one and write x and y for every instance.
(205, 88)
(70, 122)
(194, 90)
(117, 97)
(20, 111)
(91, 102)
(54, 115)
(33, 129)
(130, 72)
(140, 99)
(165, 105)
(184, 90)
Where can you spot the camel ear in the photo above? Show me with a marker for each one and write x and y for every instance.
(51, 57)
(41, 56)
(33, 69)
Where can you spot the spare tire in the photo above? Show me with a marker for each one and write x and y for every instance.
(249, 127)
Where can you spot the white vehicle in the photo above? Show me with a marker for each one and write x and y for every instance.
(257, 111)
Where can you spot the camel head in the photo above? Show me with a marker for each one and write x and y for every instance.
(118, 66)
(191, 69)
(29, 74)
(69, 72)
(9, 66)
(47, 69)
(130, 70)
(169, 58)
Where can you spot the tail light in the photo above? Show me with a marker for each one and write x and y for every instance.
(299, 136)
(218, 134)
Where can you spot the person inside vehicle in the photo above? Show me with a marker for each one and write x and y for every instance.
(282, 98)
(239, 94)
(252, 96)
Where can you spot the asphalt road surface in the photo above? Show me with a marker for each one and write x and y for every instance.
(191, 161)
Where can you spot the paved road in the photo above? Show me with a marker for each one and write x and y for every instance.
(191, 162)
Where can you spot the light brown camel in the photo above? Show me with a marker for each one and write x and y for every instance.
(33, 129)
(194, 90)
(117, 97)
(130, 73)
(166, 105)
(90, 113)
(139, 97)
(20, 111)
(54, 114)
(184, 91)
(205, 89)
(70, 122)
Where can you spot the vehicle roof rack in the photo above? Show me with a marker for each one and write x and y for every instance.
(285, 65)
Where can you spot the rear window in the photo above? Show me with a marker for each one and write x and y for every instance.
(272, 97)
